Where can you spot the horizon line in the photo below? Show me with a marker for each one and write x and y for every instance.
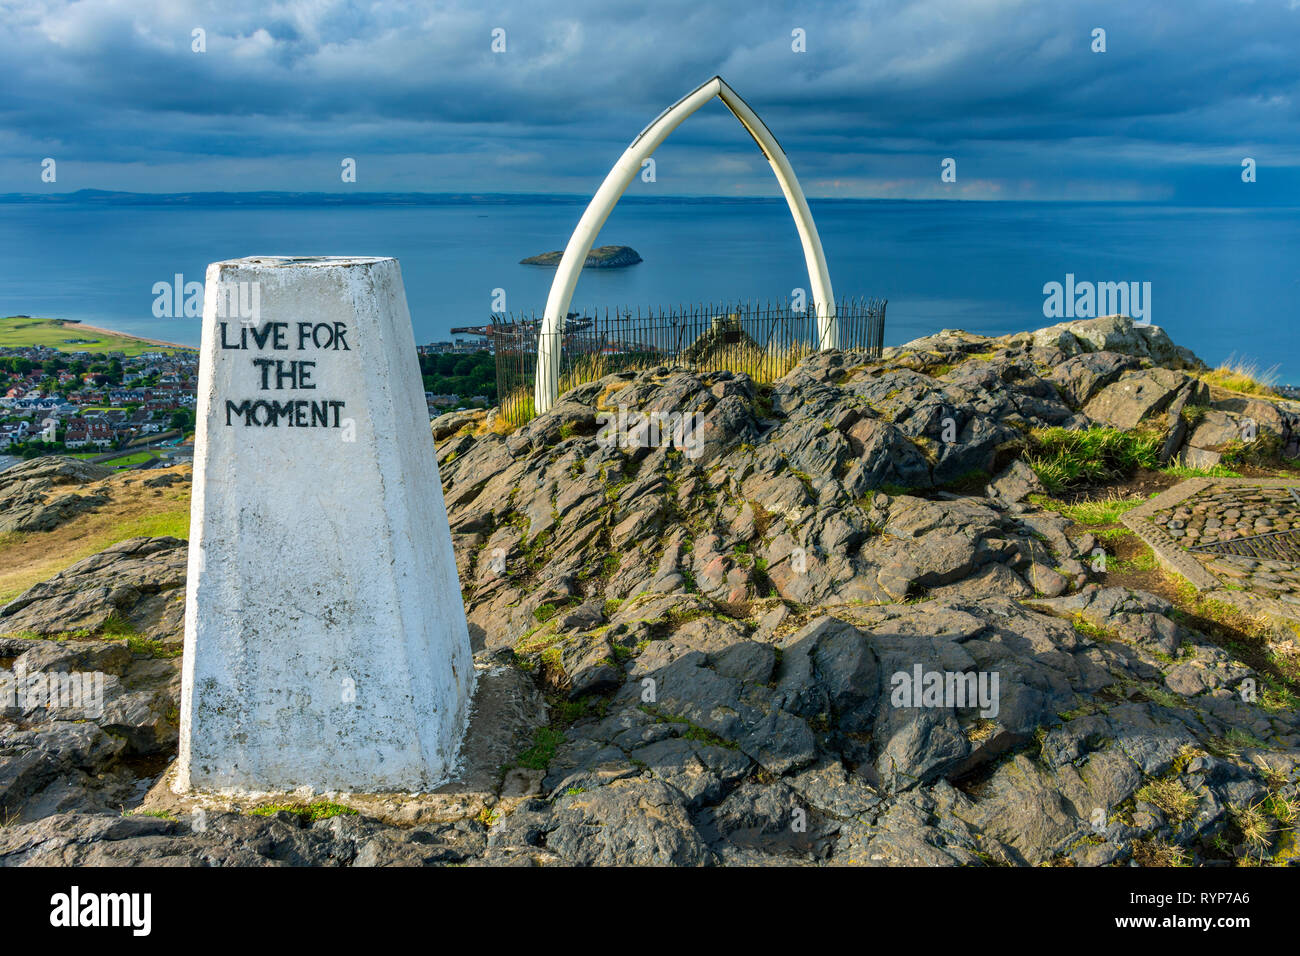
(269, 196)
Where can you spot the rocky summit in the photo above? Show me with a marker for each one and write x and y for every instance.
(875, 612)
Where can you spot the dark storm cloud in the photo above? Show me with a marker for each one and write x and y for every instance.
(884, 91)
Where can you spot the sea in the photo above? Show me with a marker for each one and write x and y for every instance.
(1222, 281)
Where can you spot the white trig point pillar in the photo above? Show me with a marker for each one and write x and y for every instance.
(325, 636)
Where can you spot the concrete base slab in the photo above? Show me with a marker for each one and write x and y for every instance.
(507, 710)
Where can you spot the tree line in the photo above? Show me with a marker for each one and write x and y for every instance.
(462, 374)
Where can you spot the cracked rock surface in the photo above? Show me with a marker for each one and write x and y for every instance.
(712, 659)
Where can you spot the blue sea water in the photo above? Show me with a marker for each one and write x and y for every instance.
(1224, 281)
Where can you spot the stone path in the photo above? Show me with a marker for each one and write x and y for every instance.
(1238, 537)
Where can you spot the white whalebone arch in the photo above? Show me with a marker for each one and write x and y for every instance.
(547, 388)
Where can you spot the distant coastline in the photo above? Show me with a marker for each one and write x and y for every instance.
(73, 335)
(997, 257)
(78, 324)
(274, 198)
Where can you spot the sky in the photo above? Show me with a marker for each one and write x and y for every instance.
(879, 96)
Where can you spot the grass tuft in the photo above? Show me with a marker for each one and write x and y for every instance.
(1239, 375)
(1063, 457)
(1092, 513)
(1154, 852)
(542, 752)
(1174, 800)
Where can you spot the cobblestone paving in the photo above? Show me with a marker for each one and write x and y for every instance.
(1243, 533)
(1276, 579)
(1226, 514)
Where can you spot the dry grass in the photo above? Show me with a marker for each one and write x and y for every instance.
(1274, 777)
(1155, 852)
(27, 558)
(1256, 829)
(763, 365)
(1173, 799)
(592, 368)
(1244, 377)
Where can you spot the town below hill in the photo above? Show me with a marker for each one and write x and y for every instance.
(71, 389)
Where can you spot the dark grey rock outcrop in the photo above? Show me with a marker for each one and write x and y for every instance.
(835, 627)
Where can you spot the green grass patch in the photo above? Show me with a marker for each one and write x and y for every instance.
(308, 812)
(700, 735)
(1092, 513)
(1063, 458)
(1088, 629)
(1214, 471)
(156, 814)
(173, 523)
(19, 332)
(155, 649)
(542, 752)
(1144, 561)
(128, 461)
(116, 626)
(1275, 697)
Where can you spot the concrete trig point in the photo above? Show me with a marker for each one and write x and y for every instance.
(325, 636)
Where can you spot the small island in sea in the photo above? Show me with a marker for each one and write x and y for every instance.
(604, 257)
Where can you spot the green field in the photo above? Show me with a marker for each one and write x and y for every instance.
(123, 461)
(16, 332)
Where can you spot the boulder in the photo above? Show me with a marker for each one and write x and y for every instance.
(1015, 484)
(1117, 333)
(51, 471)
(140, 582)
(1136, 397)
(1215, 430)
(1083, 376)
